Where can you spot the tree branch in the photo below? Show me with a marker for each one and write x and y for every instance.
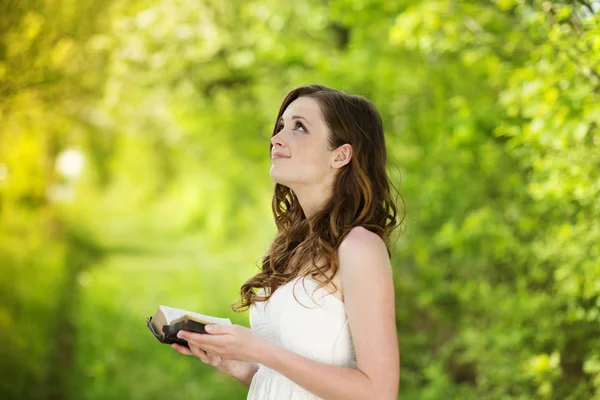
(587, 5)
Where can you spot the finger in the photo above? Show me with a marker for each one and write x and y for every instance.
(201, 354)
(202, 340)
(182, 349)
(215, 359)
(190, 336)
(208, 348)
(215, 329)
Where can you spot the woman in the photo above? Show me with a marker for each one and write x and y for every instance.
(323, 319)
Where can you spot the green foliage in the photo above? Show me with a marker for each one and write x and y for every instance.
(492, 112)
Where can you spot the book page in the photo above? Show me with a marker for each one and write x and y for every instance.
(171, 314)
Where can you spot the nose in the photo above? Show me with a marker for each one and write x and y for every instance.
(277, 140)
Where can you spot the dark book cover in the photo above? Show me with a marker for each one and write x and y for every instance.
(169, 332)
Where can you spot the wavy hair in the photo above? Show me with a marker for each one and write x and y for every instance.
(361, 196)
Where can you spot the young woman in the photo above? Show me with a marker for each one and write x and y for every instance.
(323, 316)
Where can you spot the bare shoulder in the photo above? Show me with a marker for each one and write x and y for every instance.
(362, 244)
(360, 254)
(363, 261)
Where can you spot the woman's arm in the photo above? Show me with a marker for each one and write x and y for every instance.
(369, 296)
(325, 380)
(368, 287)
(246, 376)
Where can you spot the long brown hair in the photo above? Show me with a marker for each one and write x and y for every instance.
(361, 197)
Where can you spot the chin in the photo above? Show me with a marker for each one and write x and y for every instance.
(280, 178)
(277, 178)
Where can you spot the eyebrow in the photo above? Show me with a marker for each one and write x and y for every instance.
(297, 117)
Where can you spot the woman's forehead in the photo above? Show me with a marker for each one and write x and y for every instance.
(306, 107)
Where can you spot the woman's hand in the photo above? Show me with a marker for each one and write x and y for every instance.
(241, 370)
(229, 342)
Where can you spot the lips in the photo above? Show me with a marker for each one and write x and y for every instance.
(278, 155)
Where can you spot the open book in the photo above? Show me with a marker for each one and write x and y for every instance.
(167, 321)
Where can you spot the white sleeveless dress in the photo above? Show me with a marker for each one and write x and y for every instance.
(315, 326)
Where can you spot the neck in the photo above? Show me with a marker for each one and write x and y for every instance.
(312, 198)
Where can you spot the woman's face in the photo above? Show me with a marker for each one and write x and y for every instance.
(300, 154)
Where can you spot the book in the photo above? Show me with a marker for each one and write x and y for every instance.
(167, 321)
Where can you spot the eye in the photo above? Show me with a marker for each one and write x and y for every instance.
(299, 125)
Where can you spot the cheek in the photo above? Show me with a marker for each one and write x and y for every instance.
(311, 151)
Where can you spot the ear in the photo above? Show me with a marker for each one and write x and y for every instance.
(341, 156)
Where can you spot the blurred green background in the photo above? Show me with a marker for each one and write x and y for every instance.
(134, 172)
